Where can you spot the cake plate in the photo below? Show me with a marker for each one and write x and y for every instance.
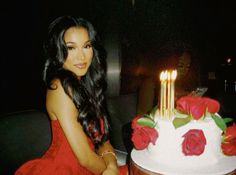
(226, 165)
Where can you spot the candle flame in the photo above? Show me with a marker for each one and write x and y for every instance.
(173, 75)
(163, 76)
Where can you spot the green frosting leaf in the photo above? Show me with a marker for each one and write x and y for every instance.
(146, 121)
(227, 120)
(177, 122)
(219, 122)
(179, 114)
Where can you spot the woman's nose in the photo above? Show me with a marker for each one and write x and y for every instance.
(80, 55)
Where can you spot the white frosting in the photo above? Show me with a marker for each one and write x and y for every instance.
(168, 147)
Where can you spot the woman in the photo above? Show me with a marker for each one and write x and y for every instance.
(75, 78)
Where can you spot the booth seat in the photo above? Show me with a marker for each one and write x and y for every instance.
(26, 135)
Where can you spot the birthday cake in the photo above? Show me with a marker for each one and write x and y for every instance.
(186, 143)
(190, 139)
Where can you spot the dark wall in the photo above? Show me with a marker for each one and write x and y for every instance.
(208, 26)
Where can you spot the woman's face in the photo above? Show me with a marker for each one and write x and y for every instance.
(80, 51)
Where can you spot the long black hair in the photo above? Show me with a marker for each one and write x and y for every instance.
(87, 93)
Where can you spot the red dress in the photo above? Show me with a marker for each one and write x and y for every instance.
(59, 159)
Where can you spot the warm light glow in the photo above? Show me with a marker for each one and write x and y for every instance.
(163, 76)
(173, 75)
(167, 92)
(228, 60)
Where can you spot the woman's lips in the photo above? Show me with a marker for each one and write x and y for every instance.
(81, 65)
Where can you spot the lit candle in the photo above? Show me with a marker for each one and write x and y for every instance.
(168, 92)
(161, 93)
(173, 77)
(163, 78)
(164, 93)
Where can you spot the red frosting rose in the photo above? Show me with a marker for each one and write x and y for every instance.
(142, 135)
(134, 123)
(229, 143)
(213, 106)
(194, 142)
(197, 106)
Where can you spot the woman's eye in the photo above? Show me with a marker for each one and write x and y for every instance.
(70, 48)
(88, 46)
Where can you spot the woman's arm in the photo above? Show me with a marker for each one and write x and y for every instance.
(107, 152)
(61, 107)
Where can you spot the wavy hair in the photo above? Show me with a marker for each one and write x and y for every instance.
(87, 93)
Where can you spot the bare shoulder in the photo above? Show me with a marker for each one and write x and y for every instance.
(58, 103)
(56, 94)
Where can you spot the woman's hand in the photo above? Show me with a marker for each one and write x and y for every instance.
(111, 169)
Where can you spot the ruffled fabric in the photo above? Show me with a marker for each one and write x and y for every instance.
(59, 159)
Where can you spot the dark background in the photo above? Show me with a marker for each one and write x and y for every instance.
(141, 24)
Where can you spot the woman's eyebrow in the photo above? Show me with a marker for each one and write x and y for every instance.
(70, 42)
(89, 41)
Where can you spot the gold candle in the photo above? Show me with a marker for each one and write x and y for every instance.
(168, 93)
(164, 93)
(163, 78)
(173, 77)
(161, 93)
